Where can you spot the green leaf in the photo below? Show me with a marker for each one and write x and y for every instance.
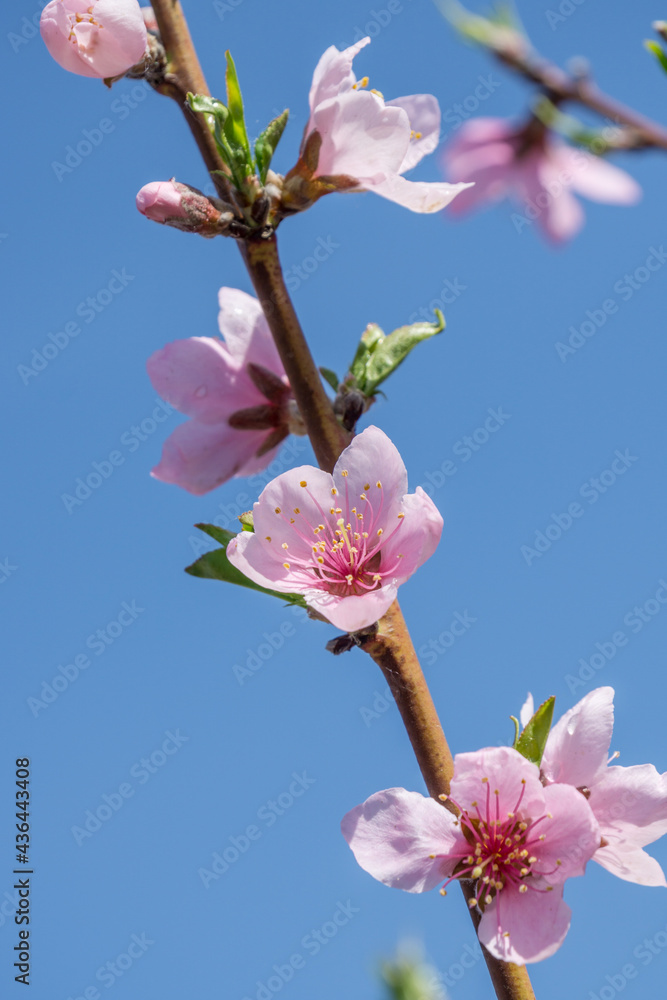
(370, 338)
(392, 351)
(266, 142)
(657, 52)
(533, 739)
(235, 130)
(217, 115)
(330, 377)
(216, 566)
(220, 535)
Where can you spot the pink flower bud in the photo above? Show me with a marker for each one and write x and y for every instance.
(174, 204)
(98, 38)
(161, 200)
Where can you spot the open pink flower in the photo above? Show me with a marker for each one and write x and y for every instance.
(99, 38)
(236, 393)
(629, 803)
(345, 541)
(539, 173)
(517, 840)
(370, 140)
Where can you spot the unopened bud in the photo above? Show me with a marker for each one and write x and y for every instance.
(174, 204)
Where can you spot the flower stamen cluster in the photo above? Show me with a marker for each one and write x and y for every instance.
(517, 840)
(345, 541)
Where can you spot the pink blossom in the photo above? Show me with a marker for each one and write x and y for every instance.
(235, 392)
(517, 840)
(99, 38)
(345, 541)
(630, 803)
(538, 171)
(371, 140)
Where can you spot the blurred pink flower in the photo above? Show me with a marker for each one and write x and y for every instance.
(629, 803)
(99, 38)
(517, 840)
(541, 177)
(371, 140)
(345, 541)
(235, 392)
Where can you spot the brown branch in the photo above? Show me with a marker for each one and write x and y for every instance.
(393, 651)
(184, 75)
(326, 435)
(560, 87)
(391, 647)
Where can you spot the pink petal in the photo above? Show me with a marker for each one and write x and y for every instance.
(333, 74)
(470, 163)
(198, 457)
(630, 804)
(372, 457)
(572, 835)
(562, 218)
(418, 536)
(547, 197)
(423, 113)
(418, 196)
(360, 137)
(490, 184)
(245, 552)
(243, 325)
(525, 927)
(199, 377)
(597, 179)
(285, 493)
(578, 745)
(632, 864)
(482, 132)
(261, 555)
(393, 834)
(354, 612)
(478, 775)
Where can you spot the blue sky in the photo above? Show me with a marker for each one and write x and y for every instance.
(153, 730)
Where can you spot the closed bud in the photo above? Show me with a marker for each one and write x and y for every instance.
(174, 204)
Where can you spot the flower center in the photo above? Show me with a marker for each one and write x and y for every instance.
(346, 543)
(81, 18)
(503, 850)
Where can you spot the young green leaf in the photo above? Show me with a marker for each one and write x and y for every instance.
(330, 377)
(266, 142)
(393, 350)
(657, 52)
(533, 739)
(235, 130)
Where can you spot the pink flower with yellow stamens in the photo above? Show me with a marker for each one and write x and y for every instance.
(98, 38)
(366, 140)
(345, 541)
(516, 840)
